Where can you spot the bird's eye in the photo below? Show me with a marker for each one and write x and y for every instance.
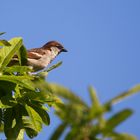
(58, 46)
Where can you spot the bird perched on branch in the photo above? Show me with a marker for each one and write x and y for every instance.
(39, 58)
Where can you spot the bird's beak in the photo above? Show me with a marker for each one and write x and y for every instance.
(64, 50)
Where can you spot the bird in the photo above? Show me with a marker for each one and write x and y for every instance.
(40, 58)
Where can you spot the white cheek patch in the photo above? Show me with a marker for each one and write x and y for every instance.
(54, 51)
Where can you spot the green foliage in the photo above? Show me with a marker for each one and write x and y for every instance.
(23, 98)
(4, 42)
(1, 33)
(7, 52)
(89, 122)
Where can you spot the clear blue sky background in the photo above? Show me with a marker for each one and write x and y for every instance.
(103, 39)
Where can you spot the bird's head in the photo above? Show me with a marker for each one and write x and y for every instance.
(54, 46)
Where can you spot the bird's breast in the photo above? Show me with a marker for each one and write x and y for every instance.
(41, 63)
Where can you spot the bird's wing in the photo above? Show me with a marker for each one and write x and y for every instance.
(35, 53)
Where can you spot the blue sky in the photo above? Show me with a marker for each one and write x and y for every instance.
(102, 37)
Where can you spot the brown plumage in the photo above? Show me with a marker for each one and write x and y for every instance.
(39, 58)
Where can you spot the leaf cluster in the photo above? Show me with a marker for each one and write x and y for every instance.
(25, 99)
(24, 102)
(84, 122)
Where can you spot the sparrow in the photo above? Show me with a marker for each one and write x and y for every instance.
(40, 58)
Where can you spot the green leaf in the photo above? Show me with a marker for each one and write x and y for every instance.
(2, 128)
(73, 114)
(124, 136)
(1, 121)
(42, 113)
(8, 121)
(20, 69)
(1, 33)
(120, 136)
(22, 55)
(117, 119)
(58, 132)
(96, 108)
(66, 94)
(4, 43)
(94, 131)
(6, 88)
(17, 93)
(74, 134)
(24, 81)
(43, 93)
(134, 90)
(44, 73)
(35, 118)
(18, 131)
(39, 96)
(6, 53)
(20, 134)
(93, 97)
(54, 66)
(31, 132)
(7, 102)
(14, 127)
(29, 127)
